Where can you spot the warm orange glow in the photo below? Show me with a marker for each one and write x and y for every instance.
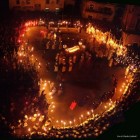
(34, 122)
(73, 49)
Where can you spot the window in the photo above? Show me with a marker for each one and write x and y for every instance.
(47, 1)
(37, 7)
(28, 2)
(17, 1)
(138, 25)
(57, 1)
(107, 10)
(91, 6)
(89, 17)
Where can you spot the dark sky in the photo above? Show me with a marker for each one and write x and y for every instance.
(4, 5)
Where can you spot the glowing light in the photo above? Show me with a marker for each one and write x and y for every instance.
(29, 129)
(88, 113)
(73, 105)
(36, 120)
(73, 49)
(25, 124)
(53, 106)
(35, 115)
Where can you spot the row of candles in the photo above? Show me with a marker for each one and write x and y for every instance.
(38, 118)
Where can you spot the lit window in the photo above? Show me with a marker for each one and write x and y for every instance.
(47, 1)
(91, 7)
(17, 1)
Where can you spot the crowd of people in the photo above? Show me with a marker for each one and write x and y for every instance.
(18, 84)
(63, 62)
(66, 63)
(96, 125)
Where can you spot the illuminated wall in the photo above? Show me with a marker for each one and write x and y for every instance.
(99, 11)
(70, 2)
(131, 25)
(54, 4)
(32, 5)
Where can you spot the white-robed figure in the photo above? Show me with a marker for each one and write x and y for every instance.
(53, 46)
(54, 36)
(74, 59)
(60, 59)
(60, 45)
(56, 67)
(64, 67)
(110, 54)
(70, 59)
(110, 62)
(70, 67)
(57, 57)
(48, 45)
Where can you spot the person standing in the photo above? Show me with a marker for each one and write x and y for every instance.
(64, 67)
(56, 67)
(48, 45)
(57, 57)
(60, 59)
(74, 59)
(53, 46)
(70, 67)
(60, 45)
(70, 59)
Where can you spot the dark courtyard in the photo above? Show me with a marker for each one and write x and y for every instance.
(86, 84)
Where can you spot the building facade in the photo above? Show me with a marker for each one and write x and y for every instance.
(97, 10)
(131, 25)
(33, 5)
(70, 2)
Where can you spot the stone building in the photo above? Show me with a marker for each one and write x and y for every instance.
(98, 10)
(131, 25)
(33, 5)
